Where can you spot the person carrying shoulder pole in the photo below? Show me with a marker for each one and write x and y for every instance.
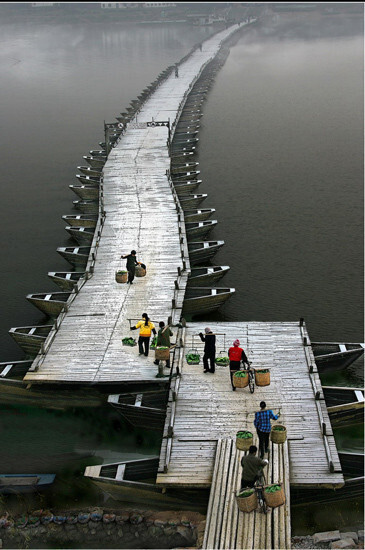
(131, 265)
(146, 327)
(263, 427)
(209, 350)
(236, 355)
(163, 339)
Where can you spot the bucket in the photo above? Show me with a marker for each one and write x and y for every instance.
(247, 503)
(278, 433)
(162, 354)
(276, 498)
(240, 381)
(121, 276)
(262, 377)
(244, 443)
(140, 271)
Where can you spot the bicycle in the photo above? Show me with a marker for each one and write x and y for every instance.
(259, 489)
(251, 376)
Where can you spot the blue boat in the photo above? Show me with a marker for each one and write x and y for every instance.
(25, 483)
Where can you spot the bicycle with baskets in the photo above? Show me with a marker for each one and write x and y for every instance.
(259, 489)
(251, 375)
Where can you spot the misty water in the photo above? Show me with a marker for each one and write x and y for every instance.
(281, 158)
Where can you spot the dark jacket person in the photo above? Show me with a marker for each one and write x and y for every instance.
(131, 265)
(209, 350)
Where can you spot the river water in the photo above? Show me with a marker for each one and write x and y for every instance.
(281, 158)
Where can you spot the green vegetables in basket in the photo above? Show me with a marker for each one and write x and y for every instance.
(193, 358)
(129, 342)
(245, 494)
(278, 428)
(240, 374)
(222, 360)
(273, 489)
(244, 434)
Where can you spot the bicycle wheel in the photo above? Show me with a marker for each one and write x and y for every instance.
(251, 381)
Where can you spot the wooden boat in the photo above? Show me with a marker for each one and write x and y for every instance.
(83, 235)
(187, 187)
(201, 251)
(75, 255)
(332, 356)
(88, 171)
(192, 201)
(95, 162)
(133, 481)
(98, 153)
(51, 304)
(199, 230)
(183, 135)
(202, 300)
(198, 215)
(24, 483)
(187, 167)
(352, 489)
(89, 180)
(187, 129)
(184, 144)
(144, 410)
(87, 206)
(30, 339)
(14, 369)
(205, 276)
(185, 123)
(179, 177)
(352, 464)
(81, 220)
(67, 280)
(345, 405)
(86, 192)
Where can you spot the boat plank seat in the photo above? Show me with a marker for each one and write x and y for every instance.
(93, 471)
(359, 395)
(120, 472)
(139, 398)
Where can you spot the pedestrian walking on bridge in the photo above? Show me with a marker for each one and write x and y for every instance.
(262, 424)
(131, 265)
(146, 327)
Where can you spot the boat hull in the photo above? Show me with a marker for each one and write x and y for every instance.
(30, 339)
(198, 215)
(207, 276)
(84, 236)
(66, 280)
(25, 483)
(189, 202)
(86, 192)
(74, 256)
(87, 207)
(50, 304)
(205, 304)
(81, 220)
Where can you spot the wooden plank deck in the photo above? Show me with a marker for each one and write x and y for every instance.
(229, 528)
(206, 409)
(141, 214)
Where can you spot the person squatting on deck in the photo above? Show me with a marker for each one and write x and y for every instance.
(251, 467)
(146, 327)
(163, 339)
(209, 350)
(131, 265)
(263, 427)
(236, 355)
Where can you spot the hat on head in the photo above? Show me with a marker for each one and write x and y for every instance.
(236, 342)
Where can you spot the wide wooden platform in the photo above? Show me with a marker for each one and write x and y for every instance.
(228, 527)
(206, 409)
(141, 214)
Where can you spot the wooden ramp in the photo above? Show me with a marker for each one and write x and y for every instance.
(228, 527)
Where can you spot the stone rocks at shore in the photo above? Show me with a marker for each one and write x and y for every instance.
(331, 540)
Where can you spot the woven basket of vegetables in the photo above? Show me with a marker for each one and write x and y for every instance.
(129, 342)
(140, 271)
(192, 357)
(262, 377)
(274, 495)
(222, 361)
(240, 379)
(247, 500)
(278, 434)
(162, 353)
(244, 440)
(121, 276)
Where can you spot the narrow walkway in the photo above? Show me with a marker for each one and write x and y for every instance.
(229, 528)
(140, 214)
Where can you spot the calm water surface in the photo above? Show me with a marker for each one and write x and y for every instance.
(281, 158)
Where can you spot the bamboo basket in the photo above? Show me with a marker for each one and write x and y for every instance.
(262, 378)
(278, 436)
(240, 382)
(121, 276)
(243, 444)
(140, 271)
(247, 504)
(274, 499)
(162, 354)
